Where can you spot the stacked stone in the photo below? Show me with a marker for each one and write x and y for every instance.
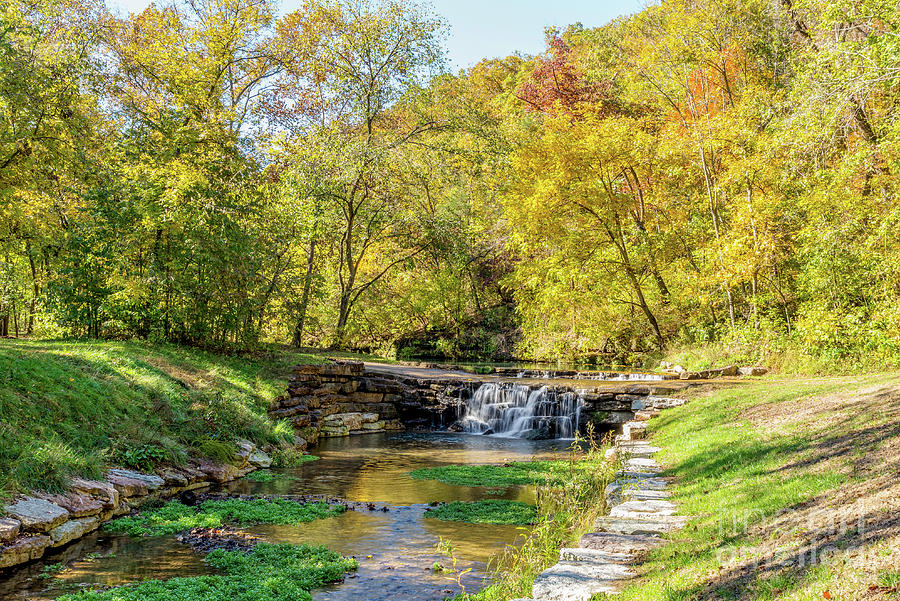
(640, 514)
(336, 399)
(35, 524)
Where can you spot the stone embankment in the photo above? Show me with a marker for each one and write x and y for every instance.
(346, 398)
(37, 524)
(640, 515)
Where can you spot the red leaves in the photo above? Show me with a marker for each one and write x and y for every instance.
(556, 83)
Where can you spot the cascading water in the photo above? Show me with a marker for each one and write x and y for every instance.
(515, 411)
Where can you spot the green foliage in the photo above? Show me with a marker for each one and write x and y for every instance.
(288, 456)
(267, 573)
(173, 517)
(269, 476)
(491, 511)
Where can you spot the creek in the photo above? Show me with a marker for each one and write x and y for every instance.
(396, 548)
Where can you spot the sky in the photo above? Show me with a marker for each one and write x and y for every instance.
(492, 28)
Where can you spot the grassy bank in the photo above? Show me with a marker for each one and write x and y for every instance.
(74, 408)
(794, 485)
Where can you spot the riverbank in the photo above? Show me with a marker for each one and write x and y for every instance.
(794, 485)
(75, 409)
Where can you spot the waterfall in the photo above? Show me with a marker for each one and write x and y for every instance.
(515, 411)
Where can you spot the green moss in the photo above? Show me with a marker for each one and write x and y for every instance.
(268, 573)
(175, 517)
(493, 511)
(550, 473)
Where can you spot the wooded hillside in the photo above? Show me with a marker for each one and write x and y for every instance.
(704, 172)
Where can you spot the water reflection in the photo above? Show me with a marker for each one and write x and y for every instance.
(396, 549)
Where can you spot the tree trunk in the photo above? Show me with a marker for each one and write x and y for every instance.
(304, 301)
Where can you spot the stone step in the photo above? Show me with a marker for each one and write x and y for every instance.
(633, 449)
(639, 508)
(579, 581)
(657, 524)
(642, 465)
(634, 430)
(583, 555)
(610, 542)
(635, 494)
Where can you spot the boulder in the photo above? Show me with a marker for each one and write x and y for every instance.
(173, 478)
(373, 426)
(71, 530)
(9, 529)
(78, 505)
(127, 487)
(23, 549)
(104, 491)
(731, 370)
(259, 458)
(215, 471)
(151, 481)
(753, 371)
(37, 515)
(368, 418)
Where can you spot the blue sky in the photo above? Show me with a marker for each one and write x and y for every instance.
(492, 28)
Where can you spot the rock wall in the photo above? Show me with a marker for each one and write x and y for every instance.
(342, 399)
(36, 524)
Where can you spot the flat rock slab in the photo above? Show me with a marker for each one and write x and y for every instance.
(654, 507)
(637, 450)
(609, 542)
(23, 549)
(104, 491)
(638, 483)
(634, 525)
(642, 465)
(636, 494)
(71, 530)
(151, 481)
(37, 514)
(578, 581)
(78, 505)
(595, 556)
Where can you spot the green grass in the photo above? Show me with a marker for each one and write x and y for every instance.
(754, 464)
(549, 473)
(175, 517)
(75, 408)
(268, 573)
(491, 511)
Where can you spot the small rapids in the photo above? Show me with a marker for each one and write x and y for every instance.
(511, 410)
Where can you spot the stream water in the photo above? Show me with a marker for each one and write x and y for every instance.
(395, 548)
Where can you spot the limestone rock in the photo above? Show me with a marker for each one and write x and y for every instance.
(69, 531)
(215, 471)
(173, 478)
(619, 543)
(151, 481)
(23, 549)
(37, 515)
(369, 418)
(104, 491)
(753, 371)
(127, 487)
(78, 505)
(579, 581)
(9, 529)
(643, 509)
(731, 370)
(649, 525)
(259, 458)
(374, 426)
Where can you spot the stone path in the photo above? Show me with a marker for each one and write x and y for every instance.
(639, 515)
